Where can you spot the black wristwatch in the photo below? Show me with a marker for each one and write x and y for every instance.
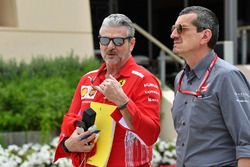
(64, 147)
(123, 106)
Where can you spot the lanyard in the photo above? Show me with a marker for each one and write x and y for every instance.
(198, 91)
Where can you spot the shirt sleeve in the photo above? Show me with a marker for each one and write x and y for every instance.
(144, 107)
(69, 125)
(234, 100)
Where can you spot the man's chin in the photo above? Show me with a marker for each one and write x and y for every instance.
(175, 51)
(112, 61)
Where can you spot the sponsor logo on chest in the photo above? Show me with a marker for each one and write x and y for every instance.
(87, 92)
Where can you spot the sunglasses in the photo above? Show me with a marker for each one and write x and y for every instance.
(179, 28)
(117, 41)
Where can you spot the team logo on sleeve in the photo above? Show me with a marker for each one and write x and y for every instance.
(87, 92)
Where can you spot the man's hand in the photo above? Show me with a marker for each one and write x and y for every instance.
(244, 162)
(112, 90)
(75, 144)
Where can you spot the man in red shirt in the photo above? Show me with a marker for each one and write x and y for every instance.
(122, 83)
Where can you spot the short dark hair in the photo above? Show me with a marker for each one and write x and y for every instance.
(205, 19)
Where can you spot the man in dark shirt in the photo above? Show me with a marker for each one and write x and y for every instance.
(211, 110)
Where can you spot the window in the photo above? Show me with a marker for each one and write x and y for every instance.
(8, 13)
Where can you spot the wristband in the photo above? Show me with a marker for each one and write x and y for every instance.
(123, 106)
(64, 146)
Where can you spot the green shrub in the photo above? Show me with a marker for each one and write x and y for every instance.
(35, 96)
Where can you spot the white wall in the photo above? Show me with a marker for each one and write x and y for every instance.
(47, 27)
(61, 15)
(167, 127)
(23, 45)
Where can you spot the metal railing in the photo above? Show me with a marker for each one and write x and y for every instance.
(162, 58)
(242, 33)
(157, 43)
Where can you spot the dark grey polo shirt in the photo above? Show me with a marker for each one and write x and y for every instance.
(213, 130)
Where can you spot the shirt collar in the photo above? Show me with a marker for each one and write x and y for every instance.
(201, 67)
(126, 71)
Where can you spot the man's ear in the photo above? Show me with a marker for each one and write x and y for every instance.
(132, 44)
(206, 36)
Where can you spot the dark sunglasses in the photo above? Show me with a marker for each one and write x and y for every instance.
(179, 28)
(117, 41)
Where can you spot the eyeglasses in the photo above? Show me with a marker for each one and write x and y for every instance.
(117, 41)
(179, 28)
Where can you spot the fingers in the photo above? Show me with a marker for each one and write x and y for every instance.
(110, 88)
(108, 83)
(75, 133)
(111, 77)
(88, 143)
(102, 87)
(79, 130)
(98, 88)
(96, 138)
(85, 135)
(75, 144)
(87, 147)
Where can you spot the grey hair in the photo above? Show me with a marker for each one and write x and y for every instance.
(206, 19)
(117, 20)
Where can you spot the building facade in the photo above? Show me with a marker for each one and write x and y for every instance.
(31, 28)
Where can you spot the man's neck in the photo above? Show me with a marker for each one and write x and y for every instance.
(112, 70)
(196, 57)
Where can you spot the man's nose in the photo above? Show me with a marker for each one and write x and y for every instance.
(111, 44)
(173, 34)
